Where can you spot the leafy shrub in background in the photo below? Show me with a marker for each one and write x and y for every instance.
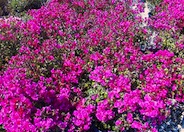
(154, 2)
(3, 6)
(80, 67)
(21, 5)
(15, 7)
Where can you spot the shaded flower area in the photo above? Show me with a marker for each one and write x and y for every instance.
(78, 66)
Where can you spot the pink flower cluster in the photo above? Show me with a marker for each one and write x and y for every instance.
(79, 66)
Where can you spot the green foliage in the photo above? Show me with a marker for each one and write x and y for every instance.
(154, 2)
(22, 5)
(168, 42)
(18, 5)
(2, 129)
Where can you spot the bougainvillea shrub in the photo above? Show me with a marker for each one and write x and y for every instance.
(80, 67)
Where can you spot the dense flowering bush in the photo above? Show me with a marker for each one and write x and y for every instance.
(80, 66)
